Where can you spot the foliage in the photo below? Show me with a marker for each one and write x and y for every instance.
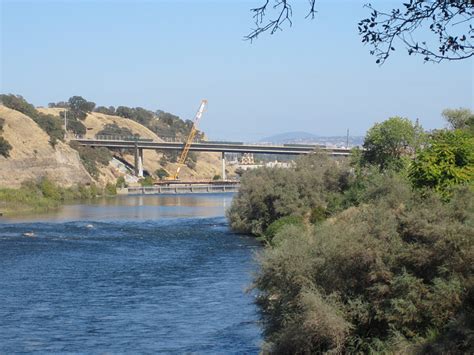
(448, 160)
(371, 279)
(161, 173)
(110, 189)
(2, 123)
(358, 260)
(387, 143)
(216, 177)
(137, 114)
(75, 126)
(79, 107)
(91, 156)
(461, 118)
(52, 126)
(276, 226)
(18, 103)
(121, 183)
(115, 130)
(48, 123)
(60, 104)
(147, 181)
(449, 23)
(268, 194)
(106, 110)
(5, 147)
(43, 194)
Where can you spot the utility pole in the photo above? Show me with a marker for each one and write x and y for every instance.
(347, 139)
(65, 123)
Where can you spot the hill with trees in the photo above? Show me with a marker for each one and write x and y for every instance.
(87, 120)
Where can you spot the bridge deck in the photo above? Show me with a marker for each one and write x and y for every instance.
(212, 147)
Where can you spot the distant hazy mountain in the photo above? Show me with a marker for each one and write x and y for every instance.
(309, 138)
(289, 137)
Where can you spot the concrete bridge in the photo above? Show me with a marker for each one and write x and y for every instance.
(138, 145)
(183, 189)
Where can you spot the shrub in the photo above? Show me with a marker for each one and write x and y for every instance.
(120, 183)
(75, 126)
(446, 162)
(371, 279)
(147, 181)
(267, 194)
(5, 147)
(161, 173)
(115, 130)
(91, 156)
(52, 126)
(18, 103)
(110, 189)
(216, 177)
(278, 225)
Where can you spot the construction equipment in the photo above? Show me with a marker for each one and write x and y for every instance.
(189, 140)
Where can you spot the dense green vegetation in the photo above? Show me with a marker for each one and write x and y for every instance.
(114, 129)
(90, 157)
(375, 255)
(164, 124)
(43, 195)
(50, 124)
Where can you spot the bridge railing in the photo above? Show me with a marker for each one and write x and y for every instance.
(177, 189)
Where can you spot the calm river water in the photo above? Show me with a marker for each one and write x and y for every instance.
(128, 274)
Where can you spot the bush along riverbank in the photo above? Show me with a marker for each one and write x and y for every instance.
(370, 255)
(44, 195)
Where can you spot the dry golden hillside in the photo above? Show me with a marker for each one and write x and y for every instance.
(208, 163)
(32, 156)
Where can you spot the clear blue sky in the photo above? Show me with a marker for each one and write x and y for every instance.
(315, 76)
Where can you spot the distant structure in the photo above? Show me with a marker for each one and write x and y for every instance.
(247, 159)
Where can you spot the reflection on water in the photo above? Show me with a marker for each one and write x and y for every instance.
(144, 207)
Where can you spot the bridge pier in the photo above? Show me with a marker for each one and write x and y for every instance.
(138, 163)
(224, 177)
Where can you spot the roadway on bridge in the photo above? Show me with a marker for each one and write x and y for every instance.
(213, 147)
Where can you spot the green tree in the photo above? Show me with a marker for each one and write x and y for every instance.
(461, 118)
(52, 126)
(106, 110)
(388, 143)
(448, 160)
(76, 127)
(79, 107)
(113, 129)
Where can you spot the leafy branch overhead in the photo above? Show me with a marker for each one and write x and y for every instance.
(438, 30)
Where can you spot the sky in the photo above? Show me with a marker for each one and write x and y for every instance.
(315, 76)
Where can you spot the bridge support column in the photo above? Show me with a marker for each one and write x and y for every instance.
(140, 162)
(223, 167)
(135, 162)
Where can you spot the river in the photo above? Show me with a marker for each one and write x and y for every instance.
(128, 274)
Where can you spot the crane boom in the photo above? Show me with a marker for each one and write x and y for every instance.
(189, 140)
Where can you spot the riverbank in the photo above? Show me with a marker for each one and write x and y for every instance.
(372, 255)
(45, 195)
